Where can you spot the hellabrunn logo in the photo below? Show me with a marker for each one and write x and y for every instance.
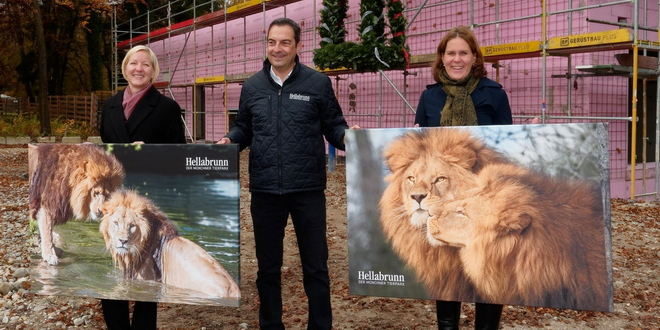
(201, 164)
(378, 278)
(299, 97)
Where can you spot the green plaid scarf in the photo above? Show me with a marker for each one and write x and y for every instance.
(459, 109)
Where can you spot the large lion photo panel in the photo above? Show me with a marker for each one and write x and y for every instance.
(515, 215)
(136, 222)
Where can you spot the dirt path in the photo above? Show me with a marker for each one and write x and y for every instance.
(636, 259)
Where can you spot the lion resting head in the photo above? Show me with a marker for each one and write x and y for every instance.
(69, 181)
(144, 244)
(526, 238)
(439, 163)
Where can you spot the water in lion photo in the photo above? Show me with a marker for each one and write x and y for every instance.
(177, 203)
(515, 214)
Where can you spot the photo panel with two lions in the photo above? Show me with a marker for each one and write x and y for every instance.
(136, 222)
(515, 215)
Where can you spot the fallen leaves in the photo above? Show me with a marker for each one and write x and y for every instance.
(635, 251)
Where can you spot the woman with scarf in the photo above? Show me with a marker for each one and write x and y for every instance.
(463, 96)
(139, 113)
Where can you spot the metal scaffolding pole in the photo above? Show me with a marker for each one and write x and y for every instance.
(396, 89)
(569, 65)
(633, 135)
(521, 18)
(644, 130)
(544, 57)
(225, 99)
(114, 73)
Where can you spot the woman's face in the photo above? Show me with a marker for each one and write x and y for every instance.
(139, 71)
(458, 59)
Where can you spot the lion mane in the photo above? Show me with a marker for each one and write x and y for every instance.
(440, 163)
(68, 181)
(528, 238)
(144, 244)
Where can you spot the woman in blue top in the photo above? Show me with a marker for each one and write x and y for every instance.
(463, 96)
(459, 72)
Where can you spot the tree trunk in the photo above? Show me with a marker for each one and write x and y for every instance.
(44, 115)
(96, 52)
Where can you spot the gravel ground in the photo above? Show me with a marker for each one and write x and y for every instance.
(636, 255)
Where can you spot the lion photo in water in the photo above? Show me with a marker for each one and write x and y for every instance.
(145, 245)
(68, 181)
(527, 238)
(432, 162)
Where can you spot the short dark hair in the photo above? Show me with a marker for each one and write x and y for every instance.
(287, 21)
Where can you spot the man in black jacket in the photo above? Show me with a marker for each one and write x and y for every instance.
(285, 111)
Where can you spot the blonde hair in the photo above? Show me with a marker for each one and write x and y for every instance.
(152, 57)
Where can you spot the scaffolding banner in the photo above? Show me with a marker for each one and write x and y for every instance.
(136, 222)
(515, 215)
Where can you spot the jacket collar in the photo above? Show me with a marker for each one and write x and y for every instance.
(296, 69)
(125, 128)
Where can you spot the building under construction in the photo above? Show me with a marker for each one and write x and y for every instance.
(563, 61)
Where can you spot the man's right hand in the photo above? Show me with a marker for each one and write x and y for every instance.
(224, 140)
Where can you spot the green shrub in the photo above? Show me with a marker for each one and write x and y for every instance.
(28, 125)
(69, 127)
(20, 126)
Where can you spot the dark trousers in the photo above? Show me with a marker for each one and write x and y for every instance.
(115, 313)
(269, 218)
(487, 316)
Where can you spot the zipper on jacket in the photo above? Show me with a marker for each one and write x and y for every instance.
(279, 140)
(270, 113)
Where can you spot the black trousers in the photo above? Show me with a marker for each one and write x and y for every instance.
(269, 218)
(487, 316)
(115, 314)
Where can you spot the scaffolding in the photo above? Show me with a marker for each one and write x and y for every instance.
(531, 48)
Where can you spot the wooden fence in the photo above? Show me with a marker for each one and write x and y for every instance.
(80, 108)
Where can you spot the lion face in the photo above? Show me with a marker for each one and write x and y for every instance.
(452, 223)
(435, 163)
(482, 217)
(97, 196)
(124, 230)
(431, 177)
(134, 230)
(88, 197)
(92, 184)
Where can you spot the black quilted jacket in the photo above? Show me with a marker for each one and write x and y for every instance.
(284, 128)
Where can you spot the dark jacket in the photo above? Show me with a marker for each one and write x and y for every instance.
(490, 102)
(155, 119)
(284, 128)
